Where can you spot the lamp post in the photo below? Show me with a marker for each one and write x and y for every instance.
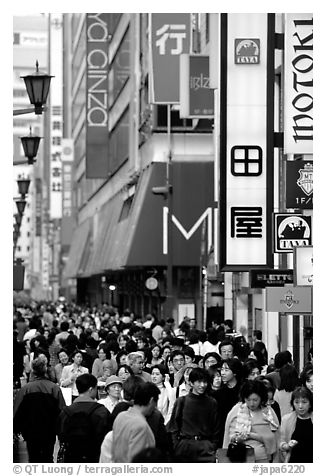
(23, 186)
(30, 145)
(37, 87)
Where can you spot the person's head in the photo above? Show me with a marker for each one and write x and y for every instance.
(121, 357)
(226, 349)
(187, 369)
(64, 326)
(228, 325)
(215, 374)
(129, 387)
(301, 401)
(251, 369)
(258, 335)
(306, 377)
(123, 372)
(198, 380)
(102, 352)
(178, 359)
(282, 358)
(289, 378)
(113, 387)
(254, 394)
(231, 372)
(211, 358)
(146, 397)
(189, 354)
(87, 384)
(166, 351)
(63, 357)
(270, 387)
(39, 366)
(77, 357)
(157, 374)
(135, 360)
(122, 341)
(156, 351)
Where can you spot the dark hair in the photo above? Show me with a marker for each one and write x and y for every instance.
(270, 387)
(235, 365)
(212, 354)
(225, 342)
(189, 351)
(145, 392)
(302, 392)
(39, 366)
(162, 369)
(76, 351)
(199, 374)
(157, 345)
(289, 378)
(84, 382)
(51, 336)
(62, 350)
(119, 355)
(248, 366)
(64, 326)
(126, 367)
(258, 334)
(104, 347)
(254, 386)
(306, 373)
(212, 371)
(131, 346)
(282, 358)
(174, 353)
(130, 386)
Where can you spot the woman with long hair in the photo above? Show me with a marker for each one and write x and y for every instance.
(71, 372)
(289, 380)
(166, 399)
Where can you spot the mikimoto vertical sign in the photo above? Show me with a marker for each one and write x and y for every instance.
(298, 83)
(97, 135)
(247, 115)
(170, 36)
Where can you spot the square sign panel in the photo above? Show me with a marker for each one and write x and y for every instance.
(291, 230)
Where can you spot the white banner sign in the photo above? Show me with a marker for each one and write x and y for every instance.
(298, 83)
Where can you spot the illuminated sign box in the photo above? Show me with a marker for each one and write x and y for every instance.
(303, 265)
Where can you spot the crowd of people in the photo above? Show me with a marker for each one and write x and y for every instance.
(91, 385)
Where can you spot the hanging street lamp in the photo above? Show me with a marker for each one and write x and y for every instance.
(30, 145)
(20, 204)
(23, 186)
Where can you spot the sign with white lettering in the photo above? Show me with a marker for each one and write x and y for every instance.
(299, 184)
(246, 155)
(170, 36)
(196, 97)
(290, 299)
(97, 135)
(298, 83)
(270, 277)
(303, 266)
(290, 230)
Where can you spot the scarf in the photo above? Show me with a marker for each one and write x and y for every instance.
(243, 422)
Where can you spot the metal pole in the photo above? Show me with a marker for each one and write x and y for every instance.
(169, 270)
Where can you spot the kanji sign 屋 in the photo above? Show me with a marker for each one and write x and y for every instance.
(246, 148)
(170, 37)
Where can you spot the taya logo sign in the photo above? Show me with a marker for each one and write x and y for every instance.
(298, 84)
(247, 51)
(290, 231)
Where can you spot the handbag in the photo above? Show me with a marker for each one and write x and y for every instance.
(237, 452)
(61, 453)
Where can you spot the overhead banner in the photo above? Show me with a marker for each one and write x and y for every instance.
(290, 230)
(298, 83)
(196, 97)
(247, 125)
(97, 118)
(299, 184)
(170, 36)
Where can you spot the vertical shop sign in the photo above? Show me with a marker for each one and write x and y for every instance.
(97, 134)
(38, 207)
(246, 146)
(196, 97)
(170, 36)
(298, 83)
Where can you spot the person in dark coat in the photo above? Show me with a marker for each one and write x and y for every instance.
(36, 409)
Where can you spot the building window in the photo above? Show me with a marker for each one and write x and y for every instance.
(27, 248)
(19, 248)
(56, 111)
(119, 69)
(119, 142)
(20, 93)
(28, 234)
(56, 126)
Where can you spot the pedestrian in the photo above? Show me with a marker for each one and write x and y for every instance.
(113, 388)
(280, 359)
(83, 425)
(251, 369)
(36, 409)
(226, 349)
(194, 424)
(253, 422)
(166, 399)
(289, 380)
(131, 432)
(136, 362)
(296, 443)
(63, 361)
(307, 377)
(71, 372)
(259, 345)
